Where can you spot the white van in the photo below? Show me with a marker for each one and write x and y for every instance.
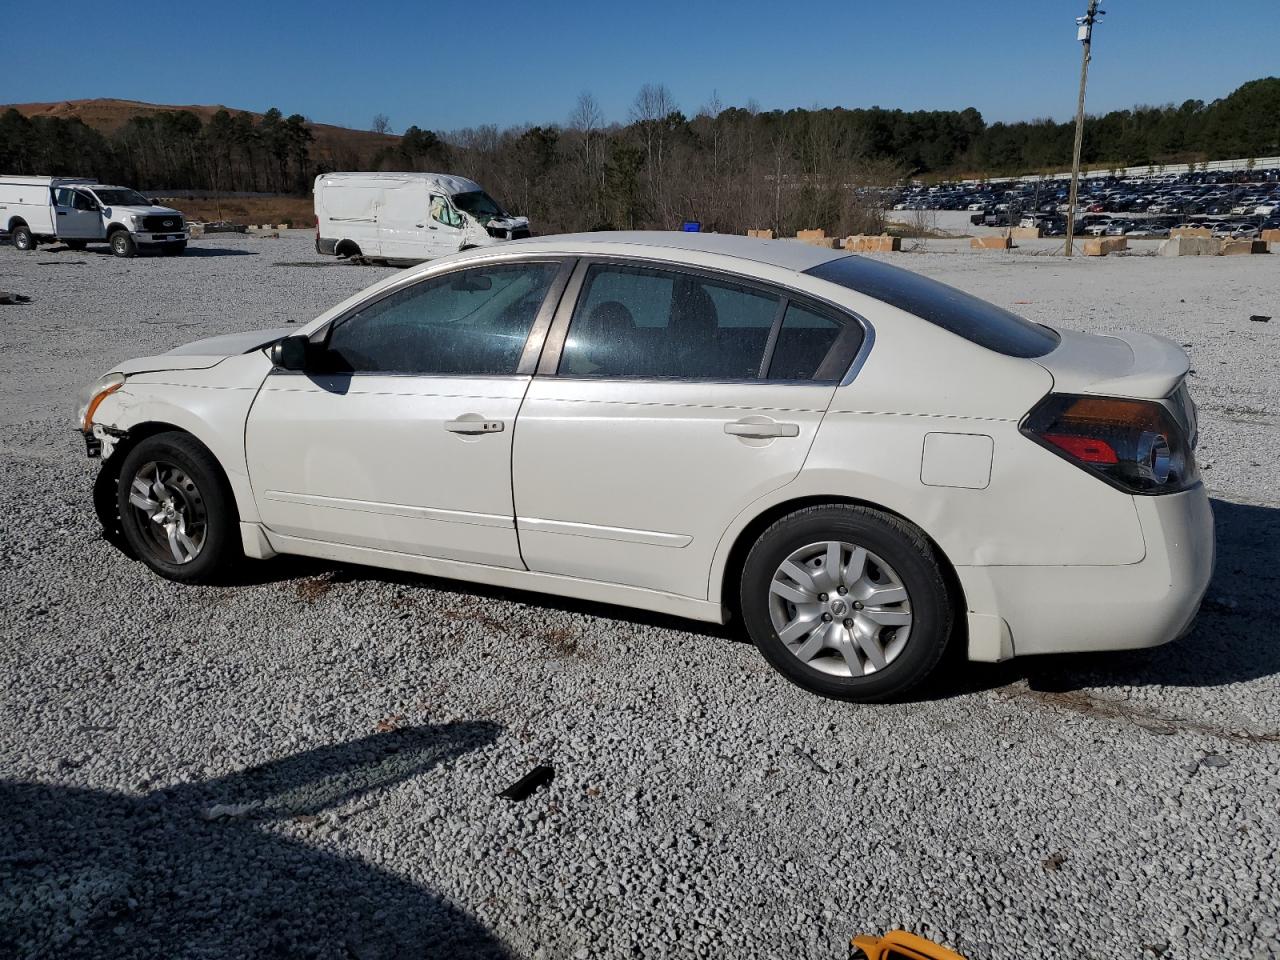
(407, 216)
(78, 211)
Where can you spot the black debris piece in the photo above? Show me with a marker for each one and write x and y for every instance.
(1259, 318)
(523, 788)
(10, 299)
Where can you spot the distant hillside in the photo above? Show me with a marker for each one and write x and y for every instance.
(108, 116)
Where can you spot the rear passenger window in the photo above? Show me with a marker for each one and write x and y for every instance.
(638, 322)
(804, 342)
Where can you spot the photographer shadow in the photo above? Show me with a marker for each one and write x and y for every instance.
(196, 870)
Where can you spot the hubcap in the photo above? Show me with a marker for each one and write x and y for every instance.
(171, 512)
(840, 609)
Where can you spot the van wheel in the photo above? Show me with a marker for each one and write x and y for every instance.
(176, 509)
(347, 249)
(847, 602)
(122, 244)
(76, 244)
(23, 238)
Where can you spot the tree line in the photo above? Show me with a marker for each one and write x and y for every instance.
(729, 167)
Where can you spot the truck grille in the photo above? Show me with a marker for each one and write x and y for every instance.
(162, 223)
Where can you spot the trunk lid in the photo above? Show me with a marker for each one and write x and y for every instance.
(1137, 365)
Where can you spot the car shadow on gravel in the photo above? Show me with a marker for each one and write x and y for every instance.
(1233, 639)
(209, 869)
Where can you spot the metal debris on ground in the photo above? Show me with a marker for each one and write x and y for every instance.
(1259, 318)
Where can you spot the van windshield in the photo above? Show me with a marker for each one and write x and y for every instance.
(122, 198)
(479, 204)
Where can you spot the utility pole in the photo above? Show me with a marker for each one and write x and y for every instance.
(1084, 33)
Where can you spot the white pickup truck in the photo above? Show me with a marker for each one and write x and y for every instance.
(78, 212)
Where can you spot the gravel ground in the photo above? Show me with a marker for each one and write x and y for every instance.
(305, 763)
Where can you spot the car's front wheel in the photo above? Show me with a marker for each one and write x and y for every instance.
(847, 601)
(122, 244)
(176, 509)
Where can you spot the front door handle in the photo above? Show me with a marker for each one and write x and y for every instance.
(473, 423)
(761, 429)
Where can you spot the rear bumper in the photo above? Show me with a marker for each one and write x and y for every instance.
(1084, 608)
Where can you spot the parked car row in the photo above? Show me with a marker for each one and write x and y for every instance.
(1246, 195)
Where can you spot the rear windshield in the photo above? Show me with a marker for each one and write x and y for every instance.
(964, 315)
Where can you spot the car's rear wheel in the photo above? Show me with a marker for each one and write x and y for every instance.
(847, 601)
(176, 509)
(23, 238)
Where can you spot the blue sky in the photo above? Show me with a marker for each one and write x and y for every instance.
(445, 65)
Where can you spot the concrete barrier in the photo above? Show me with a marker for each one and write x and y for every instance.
(1026, 233)
(1101, 246)
(1190, 247)
(1190, 232)
(817, 238)
(990, 243)
(282, 226)
(872, 244)
(195, 230)
(1270, 236)
(760, 234)
(1234, 248)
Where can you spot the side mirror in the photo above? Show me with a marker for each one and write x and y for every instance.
(290, 353)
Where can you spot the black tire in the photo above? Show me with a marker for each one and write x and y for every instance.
(193, 475)
(76, 244)
(122, 244)
(174, 249)
(348, 249)
(903, 547)
(23, 238)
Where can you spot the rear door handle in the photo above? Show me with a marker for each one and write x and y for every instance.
(473, 423)
(761, 429)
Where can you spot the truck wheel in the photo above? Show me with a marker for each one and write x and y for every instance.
(23, 239)
(122, 244)
(175, 249)
(76, 244)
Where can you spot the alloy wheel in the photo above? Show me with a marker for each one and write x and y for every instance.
(171, 512)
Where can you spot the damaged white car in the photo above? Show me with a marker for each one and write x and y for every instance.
(859, 464)
(407, 216)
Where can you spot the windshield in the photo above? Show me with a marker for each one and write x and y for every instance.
(122, 198)
(479, 204)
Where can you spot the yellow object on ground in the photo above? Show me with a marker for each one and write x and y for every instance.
(899, 945)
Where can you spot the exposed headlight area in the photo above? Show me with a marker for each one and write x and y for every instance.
(1139, 446)
(92, 396)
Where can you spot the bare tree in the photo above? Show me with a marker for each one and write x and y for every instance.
(381, 123)
(587, 120)
(649, 112)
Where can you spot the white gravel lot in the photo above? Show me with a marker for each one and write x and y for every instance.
(205, 772)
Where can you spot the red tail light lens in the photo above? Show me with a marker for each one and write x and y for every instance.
(1140, 446)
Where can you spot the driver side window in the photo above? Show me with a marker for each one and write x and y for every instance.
(466, 323)
(441, 212)
(64, 196)
(82, 201)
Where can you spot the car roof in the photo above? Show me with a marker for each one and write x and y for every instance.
(786, 254)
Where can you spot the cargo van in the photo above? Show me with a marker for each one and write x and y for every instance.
(77, 211)
(407, 216)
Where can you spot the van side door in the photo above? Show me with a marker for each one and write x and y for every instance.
(445, 226)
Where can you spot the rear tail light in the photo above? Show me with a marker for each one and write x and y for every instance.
(1139, 446)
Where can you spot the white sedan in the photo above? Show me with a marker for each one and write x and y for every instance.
(859, 464)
